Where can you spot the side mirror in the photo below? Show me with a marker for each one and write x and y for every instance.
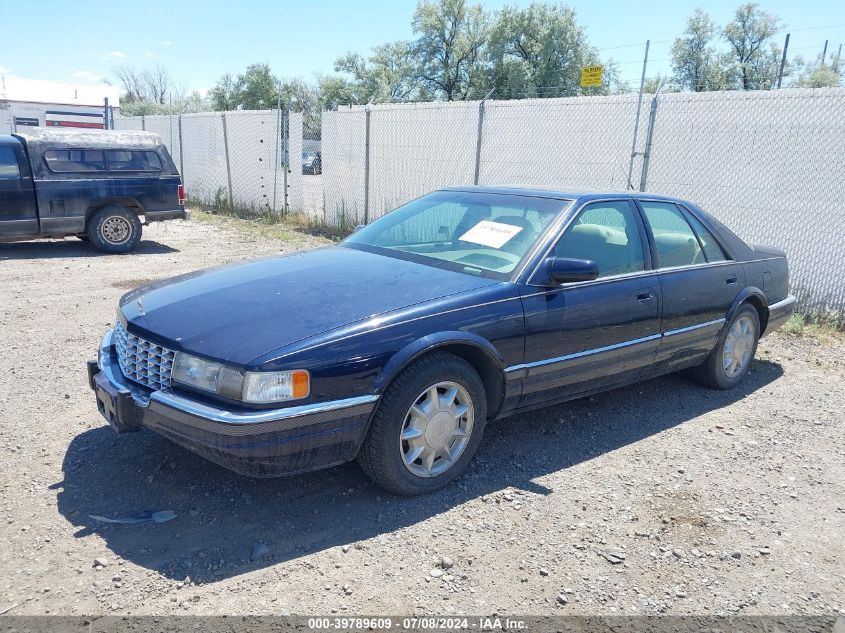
(565, 270)
(357, 228)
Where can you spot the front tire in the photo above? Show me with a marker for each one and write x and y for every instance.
(114, 229)
(428, 426)
(730, 360)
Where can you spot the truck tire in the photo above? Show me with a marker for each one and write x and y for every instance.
(427, 427)
(114, 229)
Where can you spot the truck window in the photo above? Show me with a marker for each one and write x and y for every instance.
(132, 160)
(8, 164)
(75, 160)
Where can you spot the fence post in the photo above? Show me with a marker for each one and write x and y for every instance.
(478, 136)
(276, 151)
(630, 185)
(144, 123)
(649, 135)
(228, 164)
(783, 60)
(181, 152)
(286, 145)
(367, 164)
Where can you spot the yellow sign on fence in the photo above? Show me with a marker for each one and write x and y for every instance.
(591, 76)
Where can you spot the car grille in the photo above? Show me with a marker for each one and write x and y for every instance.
(142, 361)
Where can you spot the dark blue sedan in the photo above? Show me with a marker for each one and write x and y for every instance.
(398, 345)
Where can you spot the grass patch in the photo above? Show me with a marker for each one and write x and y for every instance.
(824, 329)
(284, 228)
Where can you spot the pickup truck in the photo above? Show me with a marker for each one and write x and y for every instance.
(100, 186)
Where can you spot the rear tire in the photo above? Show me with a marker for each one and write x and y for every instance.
(419, 442)
(730, 360)
(114, 229)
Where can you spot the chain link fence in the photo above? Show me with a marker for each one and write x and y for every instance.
(244, 161)
(767, 164)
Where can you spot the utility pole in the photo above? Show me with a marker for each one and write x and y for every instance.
(783, 60)
(824, 52)
(637, 121)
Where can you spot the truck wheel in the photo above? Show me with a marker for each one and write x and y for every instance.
(427, 427)
(114, 229)
(730, 360)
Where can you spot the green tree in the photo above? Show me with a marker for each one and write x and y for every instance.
(817, 74)
(224, 95)
(696, 63)
(256, 89)
(390, 74)
(337, 91)
(537, 51)
(750, 36)
(450, 39)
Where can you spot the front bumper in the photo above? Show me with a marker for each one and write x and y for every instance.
(779, 314)
(264, 443)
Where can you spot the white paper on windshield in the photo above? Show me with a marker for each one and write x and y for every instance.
(492, 234)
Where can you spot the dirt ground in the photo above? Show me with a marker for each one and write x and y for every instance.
(664, 497)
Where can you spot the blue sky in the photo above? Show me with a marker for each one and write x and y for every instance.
(198, 40)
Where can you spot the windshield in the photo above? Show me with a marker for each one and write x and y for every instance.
(485, 234)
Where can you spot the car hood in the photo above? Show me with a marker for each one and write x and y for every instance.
(239, 312)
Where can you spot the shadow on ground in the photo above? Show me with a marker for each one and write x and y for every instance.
(222, 515)
(72, 247)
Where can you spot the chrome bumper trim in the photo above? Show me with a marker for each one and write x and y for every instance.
(223, 416)
(782, 305)
(108, 365)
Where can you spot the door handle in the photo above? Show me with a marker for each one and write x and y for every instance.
(731, 280)
(645, 296)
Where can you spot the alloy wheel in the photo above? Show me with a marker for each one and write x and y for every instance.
(739, 344)
(436, 429)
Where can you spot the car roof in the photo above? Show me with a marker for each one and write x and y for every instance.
(563, 193)
(95, 139)
(7, 139)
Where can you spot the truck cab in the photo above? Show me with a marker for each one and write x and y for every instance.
(101, 186)
(18, 211)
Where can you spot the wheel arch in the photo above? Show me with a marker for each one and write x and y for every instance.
(477, 351)
(119, 201)
(752, 296)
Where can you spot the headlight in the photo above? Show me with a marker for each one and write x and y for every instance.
(255, 387)
(275, 386)
(196, 372)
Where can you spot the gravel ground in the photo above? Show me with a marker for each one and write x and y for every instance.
(663, 497)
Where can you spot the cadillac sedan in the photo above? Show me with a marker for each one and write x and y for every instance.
(398, 345)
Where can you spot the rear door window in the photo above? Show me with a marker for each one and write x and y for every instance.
(133, 160)
(712, 250)
(8, 164)
(75, 160)
(674, 239)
